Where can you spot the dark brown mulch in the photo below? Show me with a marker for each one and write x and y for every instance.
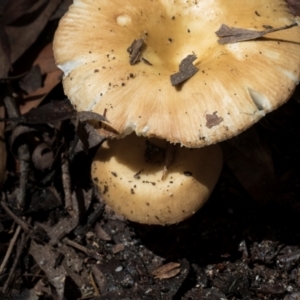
(58, 240)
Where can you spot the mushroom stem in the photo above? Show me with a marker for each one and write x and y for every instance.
(169, 158)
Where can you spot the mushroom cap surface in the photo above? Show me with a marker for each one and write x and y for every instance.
(236, 85)
(133, 186)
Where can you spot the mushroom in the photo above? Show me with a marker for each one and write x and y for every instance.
(128, 172)
(157, 69)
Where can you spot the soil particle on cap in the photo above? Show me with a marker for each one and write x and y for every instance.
(137, 175)
(135, 51)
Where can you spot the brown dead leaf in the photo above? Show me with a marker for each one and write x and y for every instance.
(4, 51)
(167, 271)
(85, 123)
(32, 80)
(50, 112)
(22, 37)
(35, 98)
(117, 248)
(88, 137)
(294, 6)
(44, 200)
(213, 120)
(62, 9)
(100, 278)
(16, 10)
(229, 35)
(63, 227)
(90, 116)
(4, 45)
(45, 257)
(46, 62)
(186, 70)
(101, 233)
(81, 279)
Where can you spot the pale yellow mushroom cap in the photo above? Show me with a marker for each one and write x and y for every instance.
(131, 183)
(236, 85)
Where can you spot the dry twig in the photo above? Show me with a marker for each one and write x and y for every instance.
(9, 249)
(20, 222)
(66, 181)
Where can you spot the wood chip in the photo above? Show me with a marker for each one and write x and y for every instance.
(229, 35)
(101, 233)
(117, 248)
(166, 271)
(186, 70)
(213, 120)
(135, 51)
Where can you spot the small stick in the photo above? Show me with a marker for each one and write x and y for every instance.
(66, 181)
(12, 273)
(88, 252)
(20, 222)
(99, 278)
(94, 285)
(9, 249)
(90, 222)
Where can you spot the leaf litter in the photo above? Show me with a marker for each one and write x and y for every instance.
(60, 241)
(186, 70)
(229, 35)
